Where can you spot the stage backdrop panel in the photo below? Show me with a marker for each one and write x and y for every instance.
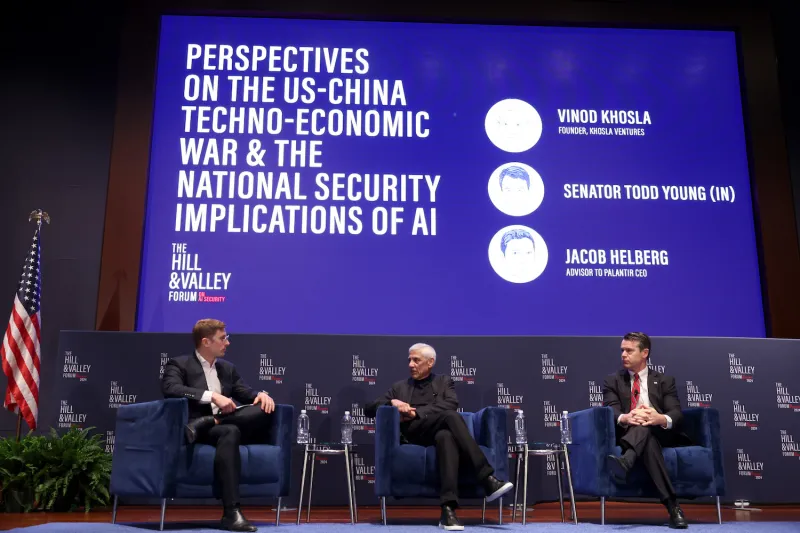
(750, 381)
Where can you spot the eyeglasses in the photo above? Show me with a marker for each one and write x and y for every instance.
(223, 339)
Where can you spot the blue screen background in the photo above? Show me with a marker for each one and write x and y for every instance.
(688, 81)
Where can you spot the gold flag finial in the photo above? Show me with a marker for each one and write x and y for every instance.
(39, 216)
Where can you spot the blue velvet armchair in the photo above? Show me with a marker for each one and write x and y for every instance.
(695, 471)
(411, 471)
(153, 460)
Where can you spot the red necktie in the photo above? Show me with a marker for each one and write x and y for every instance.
(635, 392)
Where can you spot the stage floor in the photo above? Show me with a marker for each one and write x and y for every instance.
(617, 513)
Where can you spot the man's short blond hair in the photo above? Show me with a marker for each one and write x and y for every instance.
(205, 328)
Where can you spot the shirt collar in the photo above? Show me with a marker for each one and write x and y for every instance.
(426, 379)
(203, 362)
(642, 373)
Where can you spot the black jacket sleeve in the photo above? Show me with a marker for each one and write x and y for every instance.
(241, 391)
(173, 383)
(371, 409)
(611, 395)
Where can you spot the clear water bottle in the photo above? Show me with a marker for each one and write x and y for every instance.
(519, 428)
(566, 433)
(302, 428)
(347, 428)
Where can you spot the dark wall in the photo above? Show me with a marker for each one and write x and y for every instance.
(787, 42)
(58, 94)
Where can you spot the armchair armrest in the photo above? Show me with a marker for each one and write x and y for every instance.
(387, 439)
(594, 428)
(697, 425)
(147, 442)
(593, 438)
(281, 427)
(490, 427)
(281, 433)
(701, 425)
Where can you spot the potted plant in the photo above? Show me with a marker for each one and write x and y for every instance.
(18, 460)
(54, 473)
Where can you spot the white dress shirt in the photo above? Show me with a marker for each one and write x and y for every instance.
(644, 397)
(212, 380)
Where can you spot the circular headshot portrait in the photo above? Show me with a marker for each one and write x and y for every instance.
(518, 254)
(513, 125)
(516, 189)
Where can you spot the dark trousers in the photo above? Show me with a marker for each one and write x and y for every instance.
(247, 425)
(646, 442)
(454, 447)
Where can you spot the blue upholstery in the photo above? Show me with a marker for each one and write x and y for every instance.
(695, 471)
(152, 458)
(411, 471)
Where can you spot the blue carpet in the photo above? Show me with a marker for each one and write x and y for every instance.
(532, 527)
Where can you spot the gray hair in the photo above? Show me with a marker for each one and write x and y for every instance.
(426, 350)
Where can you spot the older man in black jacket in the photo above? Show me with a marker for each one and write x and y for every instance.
(428, 416)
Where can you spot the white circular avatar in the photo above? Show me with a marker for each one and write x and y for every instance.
(513, 125)
(516, 189)
(518, 254)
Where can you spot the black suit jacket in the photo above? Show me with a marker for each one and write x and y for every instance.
(661, 391)
(445, 398)
(184, 378)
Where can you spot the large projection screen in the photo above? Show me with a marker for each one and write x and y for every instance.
(312, 176)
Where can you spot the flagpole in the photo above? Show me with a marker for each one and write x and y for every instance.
(37, 215)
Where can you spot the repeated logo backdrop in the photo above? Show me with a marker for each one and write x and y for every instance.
(750, 381)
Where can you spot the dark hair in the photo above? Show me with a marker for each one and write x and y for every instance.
(641, 338)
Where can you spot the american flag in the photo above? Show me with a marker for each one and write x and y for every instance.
(20, 349)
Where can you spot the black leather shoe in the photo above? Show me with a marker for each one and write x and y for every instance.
(197, 425)
(449, 520)
(676, 518)
(495, 488)
(618, 468)
(234, 520)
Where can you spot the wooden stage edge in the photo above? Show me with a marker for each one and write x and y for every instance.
(616, 513)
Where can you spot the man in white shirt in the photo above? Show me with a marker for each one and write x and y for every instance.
(648, 414)
(211, 385)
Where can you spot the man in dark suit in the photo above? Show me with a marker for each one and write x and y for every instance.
(427, 403)
(211, 385)
(648, 414)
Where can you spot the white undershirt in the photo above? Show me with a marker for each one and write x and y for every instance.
(212, 380)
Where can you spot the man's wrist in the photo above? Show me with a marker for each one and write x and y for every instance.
(216, 397)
